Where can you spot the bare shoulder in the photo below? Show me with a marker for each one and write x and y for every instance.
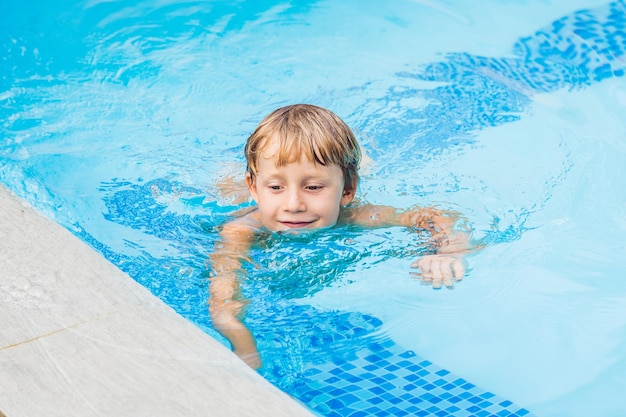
(369, 215)
(242, 228)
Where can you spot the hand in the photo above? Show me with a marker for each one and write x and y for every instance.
(224, 318)
(440, 269)
(252, 359)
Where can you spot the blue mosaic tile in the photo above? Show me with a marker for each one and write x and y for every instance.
(453, 409)
(375, 400)
(398, 393)
(359, 414)
(392, 394)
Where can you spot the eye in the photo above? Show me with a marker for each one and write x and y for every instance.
(314, 187)
(275, 187)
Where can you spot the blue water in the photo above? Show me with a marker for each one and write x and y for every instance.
(118, 119)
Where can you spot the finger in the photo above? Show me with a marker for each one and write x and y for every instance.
(437, 282)
(458, 267)
(425, 265)
(416, 274)
(447, 274)
(435, 268)
(435, 273)
(424, 280)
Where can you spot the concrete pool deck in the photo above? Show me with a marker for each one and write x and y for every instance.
(78, 337)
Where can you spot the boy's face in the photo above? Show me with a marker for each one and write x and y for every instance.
(297, 195)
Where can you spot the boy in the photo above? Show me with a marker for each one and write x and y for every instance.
(302, 172)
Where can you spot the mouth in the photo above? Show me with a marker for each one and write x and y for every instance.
(296, 225)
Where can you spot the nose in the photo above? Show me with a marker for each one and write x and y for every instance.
(294, 202)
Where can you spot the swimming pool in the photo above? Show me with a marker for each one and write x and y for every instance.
(119, 118)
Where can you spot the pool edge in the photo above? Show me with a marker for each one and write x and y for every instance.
(80, 337)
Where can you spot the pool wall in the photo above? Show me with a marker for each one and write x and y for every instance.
(81, 338)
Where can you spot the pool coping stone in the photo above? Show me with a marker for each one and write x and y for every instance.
(79, 337)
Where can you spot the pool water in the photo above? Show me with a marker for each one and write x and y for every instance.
(119, 119)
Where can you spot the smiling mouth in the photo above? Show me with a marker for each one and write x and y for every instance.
(296, 225)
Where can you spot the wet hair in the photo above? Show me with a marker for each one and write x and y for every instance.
(312, 131)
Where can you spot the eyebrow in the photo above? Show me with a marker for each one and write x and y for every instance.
(321, 177)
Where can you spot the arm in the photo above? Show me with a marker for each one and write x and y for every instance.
(225, 305)
(444, 267)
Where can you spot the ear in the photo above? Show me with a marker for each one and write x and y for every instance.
(251, 183)
(348, 196)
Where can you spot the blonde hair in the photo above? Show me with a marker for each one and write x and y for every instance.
(312, 131)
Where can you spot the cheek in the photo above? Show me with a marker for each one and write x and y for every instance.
(333, 206)
(266, 201)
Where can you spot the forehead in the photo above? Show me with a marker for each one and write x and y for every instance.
(302, 167)
(269, 160)
(281, 151)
